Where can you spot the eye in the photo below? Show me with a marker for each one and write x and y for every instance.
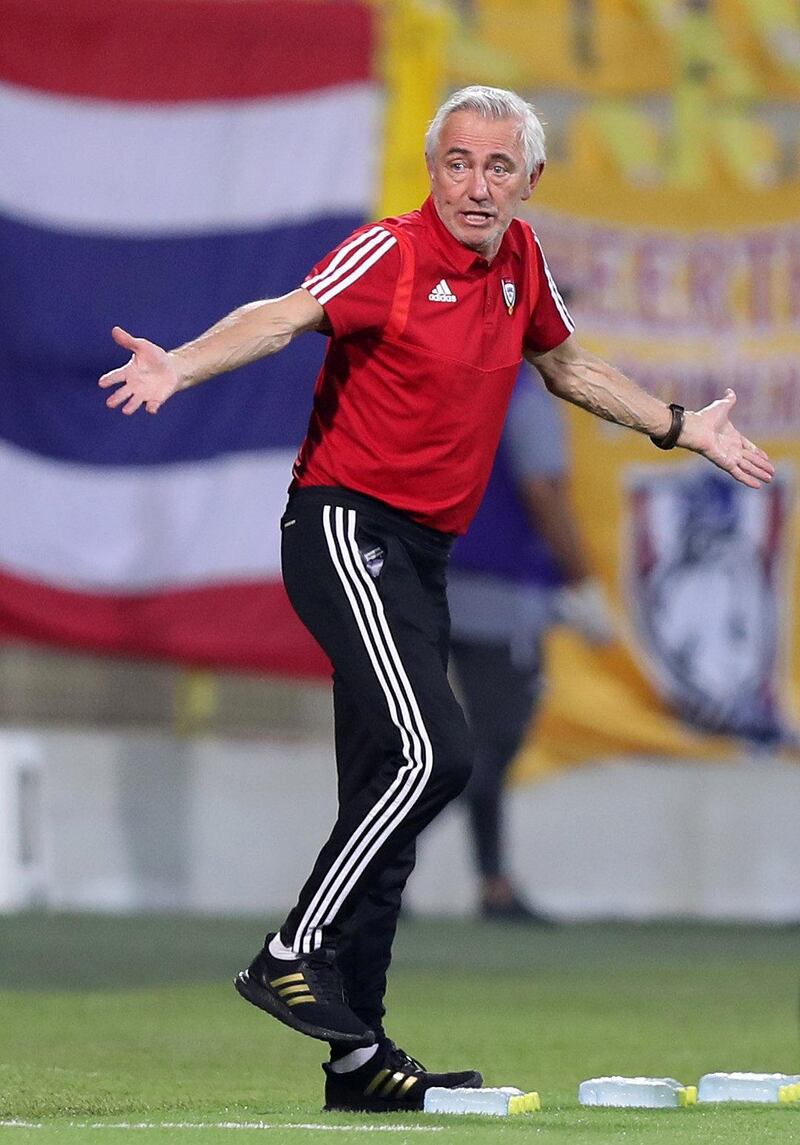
(499, 169)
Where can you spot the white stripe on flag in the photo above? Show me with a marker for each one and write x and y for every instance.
(99, 166)
(132, 529)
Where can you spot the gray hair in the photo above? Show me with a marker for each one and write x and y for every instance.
(493, 103)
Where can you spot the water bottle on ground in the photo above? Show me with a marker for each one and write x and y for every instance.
(778, 1088)
(503, 1102)
(636, 1092)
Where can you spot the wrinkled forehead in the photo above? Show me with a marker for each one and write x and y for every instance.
(473, 133)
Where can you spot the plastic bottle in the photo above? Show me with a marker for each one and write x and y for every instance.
(503, 1102)
(764, 1087)
(636, 1092)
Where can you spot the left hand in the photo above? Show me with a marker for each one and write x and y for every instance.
(711, 433)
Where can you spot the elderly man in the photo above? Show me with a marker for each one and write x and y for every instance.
(429, 316)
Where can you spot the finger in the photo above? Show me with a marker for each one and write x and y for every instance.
(755, 450)
(123, 338)
(113, 377)
(744, 478)
(152, 407)
(763, 469)
(756, 457)
(132, 404)
(117, 398)
(730, 396)
(757, 470)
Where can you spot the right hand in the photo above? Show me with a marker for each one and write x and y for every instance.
(148, 379)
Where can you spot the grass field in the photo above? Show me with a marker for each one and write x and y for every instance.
(120, 1028)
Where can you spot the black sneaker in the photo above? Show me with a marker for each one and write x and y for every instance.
(305, 993)
(390, 1081)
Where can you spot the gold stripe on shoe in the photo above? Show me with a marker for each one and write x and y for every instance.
(377, 1080)
(300, 998)
(406, 1086)
(394, 1081)
(298, 977)
(298, 988)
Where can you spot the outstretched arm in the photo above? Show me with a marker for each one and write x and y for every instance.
(153, 375)
(573, 373)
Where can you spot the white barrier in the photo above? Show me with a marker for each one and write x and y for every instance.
(22, 830)
(149, 821)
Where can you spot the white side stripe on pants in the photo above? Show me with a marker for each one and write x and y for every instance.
(413, 775)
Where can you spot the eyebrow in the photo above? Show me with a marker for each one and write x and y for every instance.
(494, 155)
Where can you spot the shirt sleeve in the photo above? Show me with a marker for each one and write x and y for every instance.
(355, 283)
(534, 434)
(550, 322)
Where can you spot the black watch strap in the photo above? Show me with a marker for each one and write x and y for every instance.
(670, 438)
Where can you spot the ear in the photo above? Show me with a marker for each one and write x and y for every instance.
(534, 178)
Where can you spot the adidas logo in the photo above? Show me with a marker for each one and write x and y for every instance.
(442, 293)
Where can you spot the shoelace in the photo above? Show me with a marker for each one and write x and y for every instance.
(400, 1058)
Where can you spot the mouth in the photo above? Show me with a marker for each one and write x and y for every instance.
(477, 218)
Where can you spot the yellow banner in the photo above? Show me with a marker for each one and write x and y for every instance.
(687, 293)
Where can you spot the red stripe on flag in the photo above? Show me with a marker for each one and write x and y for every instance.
(250, 627)
(176, 50)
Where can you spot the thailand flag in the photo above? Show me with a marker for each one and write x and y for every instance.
(160, 164)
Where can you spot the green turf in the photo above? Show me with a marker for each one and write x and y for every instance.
(121, 1021)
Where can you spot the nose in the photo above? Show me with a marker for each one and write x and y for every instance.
(478, 188)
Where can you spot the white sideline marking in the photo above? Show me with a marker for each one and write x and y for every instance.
(224, 1125)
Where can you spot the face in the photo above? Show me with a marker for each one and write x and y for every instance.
(478, 179)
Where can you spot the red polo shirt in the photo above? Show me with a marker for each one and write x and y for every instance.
(427, 342)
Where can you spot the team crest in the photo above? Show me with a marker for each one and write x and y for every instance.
(509, 294)
(704, 564)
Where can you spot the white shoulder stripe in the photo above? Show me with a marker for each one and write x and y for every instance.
(342, 254)
(559, 301)
(362, 268)
(346, 259)
(329, 277)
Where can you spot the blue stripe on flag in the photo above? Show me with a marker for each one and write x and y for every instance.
(61, 295)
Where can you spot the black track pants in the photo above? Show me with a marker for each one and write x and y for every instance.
(369, 584)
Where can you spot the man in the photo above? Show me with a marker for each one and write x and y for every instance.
(521, 568)
(428, 317)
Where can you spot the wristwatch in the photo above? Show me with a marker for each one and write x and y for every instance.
(670, 438)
